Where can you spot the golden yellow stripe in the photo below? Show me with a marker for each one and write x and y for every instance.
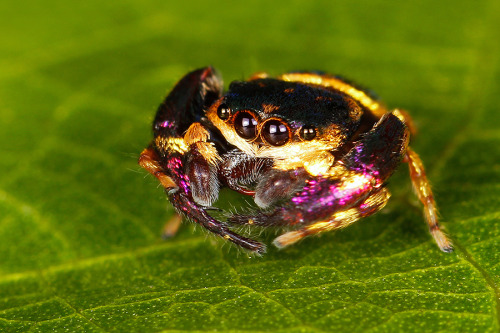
(327, 81)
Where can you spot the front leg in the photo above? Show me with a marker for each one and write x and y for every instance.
(177, 187)
(340, 219)
(181, 157)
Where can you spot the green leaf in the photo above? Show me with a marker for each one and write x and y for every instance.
(80, 222)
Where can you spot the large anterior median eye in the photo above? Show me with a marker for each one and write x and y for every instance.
(245, 125)
(275, 132)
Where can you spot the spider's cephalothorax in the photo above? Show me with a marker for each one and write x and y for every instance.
(312, 149)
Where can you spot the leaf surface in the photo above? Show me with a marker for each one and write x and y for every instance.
(80, 222)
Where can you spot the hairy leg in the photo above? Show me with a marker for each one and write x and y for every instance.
(340, 219)
(180, 151)
(423, 189)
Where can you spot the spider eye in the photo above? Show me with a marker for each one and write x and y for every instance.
(275, 132)
(308, 132)
(245, 125)
(224, 112)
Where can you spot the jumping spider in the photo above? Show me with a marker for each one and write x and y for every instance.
(312, 149)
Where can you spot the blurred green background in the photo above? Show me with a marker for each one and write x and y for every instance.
(80, 246)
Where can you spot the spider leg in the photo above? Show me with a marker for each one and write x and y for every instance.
(423, 189)
(181, 198)
(183, 159)
(405, 117)
(172, 226)
(149, 160)
(375, 202)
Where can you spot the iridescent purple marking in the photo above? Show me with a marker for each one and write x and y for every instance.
(166, 124)
(176, 167)
(321, 195)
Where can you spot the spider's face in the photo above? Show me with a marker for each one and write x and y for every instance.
(284, 120)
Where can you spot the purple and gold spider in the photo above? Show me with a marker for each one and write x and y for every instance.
(312, 149)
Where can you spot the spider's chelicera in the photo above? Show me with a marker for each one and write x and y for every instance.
(313, 150)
